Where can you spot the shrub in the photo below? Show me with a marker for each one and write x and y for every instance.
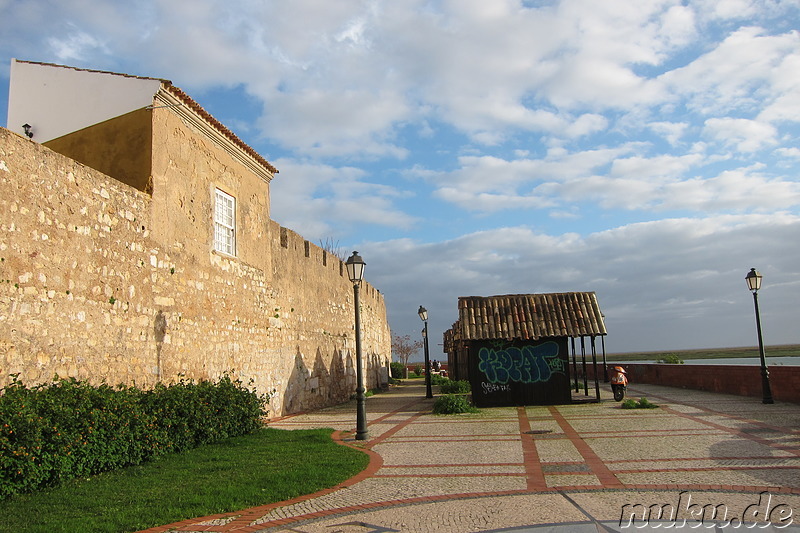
(56, 432)
(455, 387)
(453, 404)
(437, 379)
(643, 403)
(671, 359)
(398, 370)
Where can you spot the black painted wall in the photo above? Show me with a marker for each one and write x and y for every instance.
(509, 373)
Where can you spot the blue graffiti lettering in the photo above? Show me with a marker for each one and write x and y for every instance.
(529, 364)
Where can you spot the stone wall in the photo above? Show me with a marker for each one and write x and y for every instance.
(90, 289)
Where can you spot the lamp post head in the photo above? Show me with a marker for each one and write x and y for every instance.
(753, 280)
(355, 268)
(423, 313)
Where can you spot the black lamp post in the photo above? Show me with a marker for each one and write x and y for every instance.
(753, 280)
(355, 271)
(423, 314)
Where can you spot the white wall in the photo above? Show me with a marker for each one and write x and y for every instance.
(57, 100)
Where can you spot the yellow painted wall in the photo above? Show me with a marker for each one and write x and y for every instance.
(120, 147)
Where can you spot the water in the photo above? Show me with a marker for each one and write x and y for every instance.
(754, 361)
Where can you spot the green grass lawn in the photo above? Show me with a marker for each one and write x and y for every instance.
(268, 466)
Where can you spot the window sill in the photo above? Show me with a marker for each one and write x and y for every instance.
(224, 255)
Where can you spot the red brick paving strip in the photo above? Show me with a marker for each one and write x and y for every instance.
(598, 467)
(533, 467)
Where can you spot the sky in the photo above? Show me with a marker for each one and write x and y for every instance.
(647, 151)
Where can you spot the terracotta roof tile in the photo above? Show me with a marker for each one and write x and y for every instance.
(197, 108)
(527, 316)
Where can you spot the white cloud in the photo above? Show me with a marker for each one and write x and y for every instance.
(671, 131)
(735, 74)
(789, 152)
(728, 9)
(586, 124)
(675, 283)
(489, 202)
(494, 173)
(76, 46)
(650, 168)
(743, 134)
(572, 114)
(321, 201)
(338, 79)
(629, 181)
(785, 106)
(355, 121)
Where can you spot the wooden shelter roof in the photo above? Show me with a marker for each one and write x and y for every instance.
(527, 317)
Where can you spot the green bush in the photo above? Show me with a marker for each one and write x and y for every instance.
(671, 359)
(437, 379)
(453, 404)
(643, 403)
(398, 370)
(67, 429)
(455, 387)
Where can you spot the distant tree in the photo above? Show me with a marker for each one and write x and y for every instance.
(671, 359)
(333, 248)
(403, 347)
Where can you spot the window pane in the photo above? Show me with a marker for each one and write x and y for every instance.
(225, 223)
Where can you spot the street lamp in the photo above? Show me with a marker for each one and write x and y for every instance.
(753, 280)
(423, 314)
(355, 271)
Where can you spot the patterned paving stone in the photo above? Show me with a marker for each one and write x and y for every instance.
(447, 470)
(552, 450)
(456, 515)
(461, 452)
(571, 480)
(542, 466)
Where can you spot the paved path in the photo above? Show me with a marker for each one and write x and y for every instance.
(581, 467)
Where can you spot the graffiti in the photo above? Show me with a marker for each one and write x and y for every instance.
(489, 388)
(528, 364)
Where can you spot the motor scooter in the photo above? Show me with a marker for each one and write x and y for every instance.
(619, 382)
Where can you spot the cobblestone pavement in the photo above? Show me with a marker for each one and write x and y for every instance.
(700, 461)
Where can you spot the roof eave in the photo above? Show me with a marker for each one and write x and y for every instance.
(188, 109)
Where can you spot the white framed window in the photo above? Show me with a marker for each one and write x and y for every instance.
(224, 223)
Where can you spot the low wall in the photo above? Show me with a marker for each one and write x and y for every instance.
(741, 380)
(413, 366)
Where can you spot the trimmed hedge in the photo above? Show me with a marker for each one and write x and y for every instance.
(455, 387)
(53, 433)
(398, 370)
(438, 379)
(451, 404)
